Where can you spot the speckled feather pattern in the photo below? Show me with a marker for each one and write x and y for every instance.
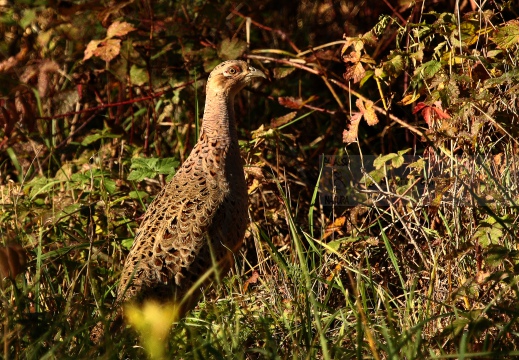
(198, 220)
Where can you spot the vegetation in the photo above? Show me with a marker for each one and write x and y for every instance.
(414, 108)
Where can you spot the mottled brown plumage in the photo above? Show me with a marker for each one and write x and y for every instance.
(198, 220)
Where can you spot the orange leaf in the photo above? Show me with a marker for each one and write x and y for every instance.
(252, 280)
(336, 225)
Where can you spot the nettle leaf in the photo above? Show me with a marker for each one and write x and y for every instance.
(394, 66)
(508, 35)
(149, 168)
(231, 49)
(167, 165)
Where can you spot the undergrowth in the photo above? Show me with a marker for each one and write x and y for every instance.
(381, 168)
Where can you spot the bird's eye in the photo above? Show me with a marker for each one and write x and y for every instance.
(232, 71)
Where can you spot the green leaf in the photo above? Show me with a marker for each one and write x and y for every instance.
(489, 232)
(127, 243)
(94, 137)
(508, 35)
(150, 168)
(429, 69)
(138, 194)
(231, 49)
(167, 165)
(139, 76)
(109, 185)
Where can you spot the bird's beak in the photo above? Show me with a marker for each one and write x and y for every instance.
(254, 73)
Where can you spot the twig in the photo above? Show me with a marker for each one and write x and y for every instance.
(121, 103)
(341, 85)
(294, 63)
(283, 35)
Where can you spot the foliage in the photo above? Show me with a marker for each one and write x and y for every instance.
(100, 100)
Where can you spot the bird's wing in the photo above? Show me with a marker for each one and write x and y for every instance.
(169, 241)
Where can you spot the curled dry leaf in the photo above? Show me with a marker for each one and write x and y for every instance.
(45, 69)
(367, 111)
(355, 72)
(252, 280)
(282, 120)
(291, 102)
(351, 134)
(337, 225)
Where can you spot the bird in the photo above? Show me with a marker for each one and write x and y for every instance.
(191, 230)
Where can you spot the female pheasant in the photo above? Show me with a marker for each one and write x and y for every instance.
(195, 224)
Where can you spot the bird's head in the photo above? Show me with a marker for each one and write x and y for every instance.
(231, 76)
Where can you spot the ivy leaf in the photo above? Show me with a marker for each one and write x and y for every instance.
(231, 49)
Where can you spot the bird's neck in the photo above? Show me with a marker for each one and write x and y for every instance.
(218, 122)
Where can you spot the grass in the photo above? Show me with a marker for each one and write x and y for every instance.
(422, 263)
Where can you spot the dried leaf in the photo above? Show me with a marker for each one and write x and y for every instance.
(409, 99)
(353, 57)
(351, 134)
(252, 280)
(46, 68)
(291, 102)
(13, 259)
(109, 49)
(91, 48)
(282, 120)
(355, 72)
(367, 111)
(335, 226)
(119, 29)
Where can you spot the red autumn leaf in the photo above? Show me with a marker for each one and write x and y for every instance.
(427, 111)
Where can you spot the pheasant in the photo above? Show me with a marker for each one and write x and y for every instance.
(198, 220)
